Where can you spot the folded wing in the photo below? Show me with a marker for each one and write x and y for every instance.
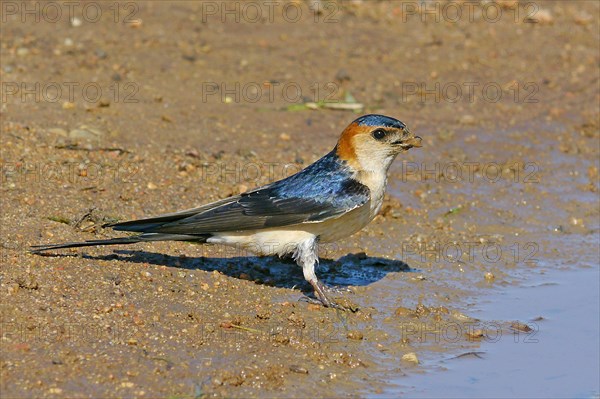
(262, 208)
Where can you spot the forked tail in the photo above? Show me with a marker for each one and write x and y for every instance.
(123, 240)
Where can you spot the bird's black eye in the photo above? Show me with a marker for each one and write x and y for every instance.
(379, 134)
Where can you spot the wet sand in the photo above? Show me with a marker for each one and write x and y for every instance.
(503, 193)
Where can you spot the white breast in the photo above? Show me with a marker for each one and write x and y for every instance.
(377, 182)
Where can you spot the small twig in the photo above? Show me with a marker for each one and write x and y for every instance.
(75, 147)
(85, 216)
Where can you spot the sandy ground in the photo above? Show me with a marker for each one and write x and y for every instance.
(157, 108)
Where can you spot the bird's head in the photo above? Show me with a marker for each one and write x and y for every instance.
(372, 142)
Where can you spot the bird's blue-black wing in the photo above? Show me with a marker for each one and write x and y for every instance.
(323, 190)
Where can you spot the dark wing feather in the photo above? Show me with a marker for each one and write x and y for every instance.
(147, 225)
(323, 190)
(261, 209)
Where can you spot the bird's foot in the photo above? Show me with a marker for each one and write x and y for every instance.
(323, 299)
(328, 304)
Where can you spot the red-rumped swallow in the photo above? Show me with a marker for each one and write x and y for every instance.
(330, 199)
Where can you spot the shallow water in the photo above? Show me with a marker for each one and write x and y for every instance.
(558, 358)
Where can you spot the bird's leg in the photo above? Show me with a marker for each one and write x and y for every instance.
(306, 255)
(320, 289)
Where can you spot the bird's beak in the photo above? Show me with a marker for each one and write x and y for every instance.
(414, 141)
(410, 142)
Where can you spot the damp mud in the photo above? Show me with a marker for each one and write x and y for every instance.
(479, 277)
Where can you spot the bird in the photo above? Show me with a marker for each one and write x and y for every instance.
(330, 199)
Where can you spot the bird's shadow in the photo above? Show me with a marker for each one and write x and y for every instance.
(349, 270)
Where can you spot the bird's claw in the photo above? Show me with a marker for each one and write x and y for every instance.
(323, 299)
(328, 304)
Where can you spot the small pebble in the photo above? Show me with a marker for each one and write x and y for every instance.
(467, 120)
(225, 324)
(58, 131)
(13, 288)
(298, 369)
(137, 23)
(403, 312)
(193, 153)
(342, 75)
(101, 54)
(461, 317)
(355, 335)
(411, 357)
(541, 16)
(475, 334)
(245, 276)
(583, 18)
(517, 325)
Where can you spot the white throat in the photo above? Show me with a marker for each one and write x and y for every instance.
(373, 174)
